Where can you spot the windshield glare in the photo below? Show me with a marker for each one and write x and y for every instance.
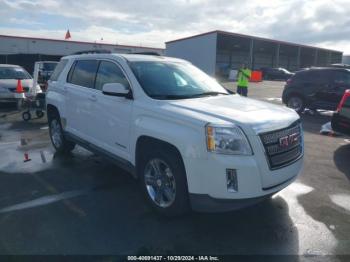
(13, 73)
(285, 70)
(170, 80)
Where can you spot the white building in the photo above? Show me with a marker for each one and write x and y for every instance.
(217, 52)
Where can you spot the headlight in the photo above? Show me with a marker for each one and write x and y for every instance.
(227, 140)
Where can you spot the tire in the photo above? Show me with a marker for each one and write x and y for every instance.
(26, 116)
(166, 191)
(39, 113)
(58, 140)
(297, 103)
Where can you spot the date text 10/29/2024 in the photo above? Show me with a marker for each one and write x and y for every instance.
(173, 258)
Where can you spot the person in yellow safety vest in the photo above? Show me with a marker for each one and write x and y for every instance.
(243, 77)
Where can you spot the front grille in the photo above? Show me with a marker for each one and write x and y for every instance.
(284, 146)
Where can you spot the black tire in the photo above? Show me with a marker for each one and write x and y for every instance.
(26, 116)
(180, 204)
(39, 113)
(58, 140)
(296, 102)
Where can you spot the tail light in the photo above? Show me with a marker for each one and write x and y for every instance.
(342, 102)
(289, 81)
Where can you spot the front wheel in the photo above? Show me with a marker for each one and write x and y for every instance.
(39, 113)
(296, 103)
(163, 181)
(26, 116)
(57, 137)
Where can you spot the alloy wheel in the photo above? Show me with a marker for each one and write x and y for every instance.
(160, 182)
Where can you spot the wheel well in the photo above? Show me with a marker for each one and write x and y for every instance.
(145, 142)
(51, 110)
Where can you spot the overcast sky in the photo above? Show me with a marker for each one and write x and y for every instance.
(325, 23)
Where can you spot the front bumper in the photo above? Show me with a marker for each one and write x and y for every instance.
(205, 203)
(207, 180)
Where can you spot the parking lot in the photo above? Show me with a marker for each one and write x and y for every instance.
(82, 204)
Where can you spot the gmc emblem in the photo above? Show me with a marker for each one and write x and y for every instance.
(289, 140)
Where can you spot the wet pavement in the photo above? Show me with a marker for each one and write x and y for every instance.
(82, 204)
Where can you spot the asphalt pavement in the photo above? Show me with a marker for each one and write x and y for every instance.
(82, 204)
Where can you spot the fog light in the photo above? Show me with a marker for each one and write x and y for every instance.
(231, 180)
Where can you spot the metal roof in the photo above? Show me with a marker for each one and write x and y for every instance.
(251, 37)
(79, 42)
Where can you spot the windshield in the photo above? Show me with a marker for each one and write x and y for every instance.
(13, 73)
(170, 80)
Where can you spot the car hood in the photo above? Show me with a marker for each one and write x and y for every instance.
(252, 115)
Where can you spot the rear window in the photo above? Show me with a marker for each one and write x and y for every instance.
(315, 76)
(83, 73)
(14, 73)
(58, 70)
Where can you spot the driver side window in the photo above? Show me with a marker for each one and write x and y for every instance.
(109, 72)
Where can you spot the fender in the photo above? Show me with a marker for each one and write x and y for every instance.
(189, 140)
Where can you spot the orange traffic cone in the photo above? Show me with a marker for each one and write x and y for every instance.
(19, 88)
(26, 157)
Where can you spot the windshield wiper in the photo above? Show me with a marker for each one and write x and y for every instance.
(208, 94)
(165, 97)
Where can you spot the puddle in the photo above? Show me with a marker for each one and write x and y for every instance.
(341, 200)
(17, 160)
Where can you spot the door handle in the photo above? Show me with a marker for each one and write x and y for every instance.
(93, 98)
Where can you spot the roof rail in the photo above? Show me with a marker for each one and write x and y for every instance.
(97, 51)
(145, 53)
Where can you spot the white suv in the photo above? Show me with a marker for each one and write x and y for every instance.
(189, 142)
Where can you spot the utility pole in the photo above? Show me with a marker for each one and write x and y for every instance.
(277, 62)
(251, 54)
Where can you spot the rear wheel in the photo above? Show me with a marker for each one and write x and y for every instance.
(57, 136)
(163, 181)
(296, 103)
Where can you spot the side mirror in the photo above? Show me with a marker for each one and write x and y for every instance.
(116, 89)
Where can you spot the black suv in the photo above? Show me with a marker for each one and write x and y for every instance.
(275, 73)
(316, 88)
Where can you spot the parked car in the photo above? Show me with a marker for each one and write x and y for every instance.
(190, 143)
(43, 71)
(9, 75)
(341, 118)
(316, 88)
(275, 73)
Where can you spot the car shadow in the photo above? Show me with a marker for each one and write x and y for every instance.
(341, 159)
(265, 228)
(313, 123)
